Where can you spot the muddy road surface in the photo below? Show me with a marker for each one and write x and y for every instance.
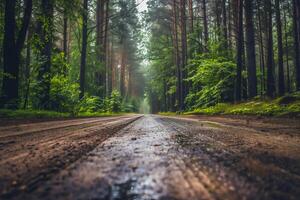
(149, 157)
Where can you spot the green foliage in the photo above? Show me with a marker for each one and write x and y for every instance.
(212, 81)
(115, 102)
(91, 104)
(28, 114)
(131, 106)
(63, 94)
(256, 107)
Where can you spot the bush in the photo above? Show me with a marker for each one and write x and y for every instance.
(63, 94)
(91, 104)
(115, 102)
(212, 81)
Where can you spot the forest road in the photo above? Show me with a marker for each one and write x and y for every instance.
(149, 157)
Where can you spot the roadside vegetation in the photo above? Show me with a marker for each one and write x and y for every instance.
(287, 106)
(89, 106)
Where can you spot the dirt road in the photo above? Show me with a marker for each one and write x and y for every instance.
(151, 157)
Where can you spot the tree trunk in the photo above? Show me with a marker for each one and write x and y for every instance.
(191, 13)
(12, 47)
(296, 29)
(288, 81)
(27, 70)
(45, 30)
(270, 53)
(183, 51)
(84, 49)
(261, 47)
(281, 84)
(100, 22)
(239, 34)
(105, 47)
(65, 36)
(205, 25)
(224, 24)
(176, 55)
(250, 45)
(123, 70)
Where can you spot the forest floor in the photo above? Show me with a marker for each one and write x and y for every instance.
(151, 157)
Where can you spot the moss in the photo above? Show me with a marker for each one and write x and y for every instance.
(288, 106)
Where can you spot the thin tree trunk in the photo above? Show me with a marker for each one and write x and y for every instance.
(191, 13)
(270, 54)
(84, 49)
(205, 25)
(183, 51)
(296, 30)
(177, 56)
(65, 39)
(123, 70)
(105, 46)
(281, 84)
(239, 29)
(27, 70)
(288, 85)
(224, 24)
(250, 45)
(262, 52)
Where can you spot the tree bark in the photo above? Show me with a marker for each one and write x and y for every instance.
(239, 34)
(205, 25)
(288, 80)
(45, 30)
(261, 48)
(270, 53)
(191, 13)
(250, 45)
(65, 37)
(224, 24)
(183, 51)
(105, 47)
(123, 70)
(281, 84)
(12, 47)
(296, 29)
(176, 55)
(84, 48)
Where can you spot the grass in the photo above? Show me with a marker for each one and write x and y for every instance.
(107, 114)
(41, 114)
(287, 106)
(28, 114)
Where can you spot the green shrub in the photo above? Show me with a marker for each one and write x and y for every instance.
(63, 94)
(115, 102)
(91, 104)
(212, 82)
